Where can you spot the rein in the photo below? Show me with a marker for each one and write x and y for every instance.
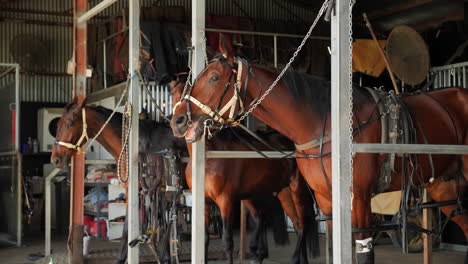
(84, 135)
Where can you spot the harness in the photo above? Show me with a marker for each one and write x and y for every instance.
(84, 135)
(236, 99)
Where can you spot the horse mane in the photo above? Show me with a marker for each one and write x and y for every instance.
(116, 120)
(310, 90)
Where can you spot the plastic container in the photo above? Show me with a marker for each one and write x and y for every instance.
(94, 228)
(87, 223)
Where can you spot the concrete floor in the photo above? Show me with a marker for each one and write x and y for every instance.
(384, 251)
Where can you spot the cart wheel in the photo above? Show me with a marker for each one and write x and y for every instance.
(415, 239)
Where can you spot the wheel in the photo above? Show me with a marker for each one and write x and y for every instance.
(415, 239)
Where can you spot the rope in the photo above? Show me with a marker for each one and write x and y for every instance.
(122, 162)
(112, 114)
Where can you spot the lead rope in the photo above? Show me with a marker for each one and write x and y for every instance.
(122, 162)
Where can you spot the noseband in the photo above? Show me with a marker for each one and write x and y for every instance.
(216, 115)
(84, 135)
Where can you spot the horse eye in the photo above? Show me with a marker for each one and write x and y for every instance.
(214, 78)
(69, 125)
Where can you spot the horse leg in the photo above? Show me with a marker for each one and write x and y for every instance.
(207, 225)
(254, 243)
(226, 214)
(297, 194)
(441, 190)
(361, 218)
(123, 245)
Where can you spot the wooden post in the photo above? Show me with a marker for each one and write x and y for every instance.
(427, 224)
(75, 239)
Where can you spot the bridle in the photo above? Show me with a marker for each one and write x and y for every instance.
(237, 98)
(84, 135)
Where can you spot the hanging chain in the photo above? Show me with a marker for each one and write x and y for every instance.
(188, 82)
(304, 40)
(350, 87)
(122, 162)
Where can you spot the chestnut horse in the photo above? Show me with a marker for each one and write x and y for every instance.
(303, 114)
(156, 136)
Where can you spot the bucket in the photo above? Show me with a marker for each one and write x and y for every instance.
(103, 228)
(87, 223)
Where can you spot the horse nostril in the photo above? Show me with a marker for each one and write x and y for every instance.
(181, 120)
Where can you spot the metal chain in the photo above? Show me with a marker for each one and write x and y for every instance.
(350, 72)
(122, 161)
(188, 82)
(304, 40)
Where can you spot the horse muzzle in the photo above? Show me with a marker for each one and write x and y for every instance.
(59, 161)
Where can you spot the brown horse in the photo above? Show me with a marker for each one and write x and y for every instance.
(303, 114)
(157, 136)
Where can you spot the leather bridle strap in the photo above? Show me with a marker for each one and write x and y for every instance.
(230, 105)
(84, 135)
(314, 142)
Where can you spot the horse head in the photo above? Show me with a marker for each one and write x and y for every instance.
(210, 99)
(69, 134)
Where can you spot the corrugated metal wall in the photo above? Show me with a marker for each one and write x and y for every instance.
(51, 26)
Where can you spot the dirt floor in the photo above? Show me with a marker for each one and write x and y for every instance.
(103, 252)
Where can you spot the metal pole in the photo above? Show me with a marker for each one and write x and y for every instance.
(410, 148)
(341, 152)
(95, 10)
(104, 64)
(134, 65)
(75, 252)
(48, 205)
(19, 199)
(263, 33)
(19, 190)
(198, 149)
(275, 50)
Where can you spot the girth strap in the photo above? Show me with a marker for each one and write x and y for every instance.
(314, 142)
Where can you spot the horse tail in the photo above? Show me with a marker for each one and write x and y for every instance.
(278, 221)
(311, 232)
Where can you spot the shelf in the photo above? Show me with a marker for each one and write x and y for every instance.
(101, 161)
(96, 183)
(91, 213)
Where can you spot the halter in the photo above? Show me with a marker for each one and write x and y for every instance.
(84, 135)
(216, 115)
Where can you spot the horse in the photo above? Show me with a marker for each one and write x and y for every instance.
(155, 137)
(302, 113)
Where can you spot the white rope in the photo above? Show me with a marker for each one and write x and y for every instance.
(111, 115)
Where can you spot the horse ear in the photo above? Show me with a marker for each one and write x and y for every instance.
(223, 47)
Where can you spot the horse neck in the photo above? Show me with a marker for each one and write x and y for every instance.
(282, 112)
(110, 139)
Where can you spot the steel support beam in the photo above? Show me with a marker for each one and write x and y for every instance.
(48, 210)
(341, 142)
(75, 240)
(133, 98)
(95, 10)
(410, 148)
(198, 149)
(232, 154)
